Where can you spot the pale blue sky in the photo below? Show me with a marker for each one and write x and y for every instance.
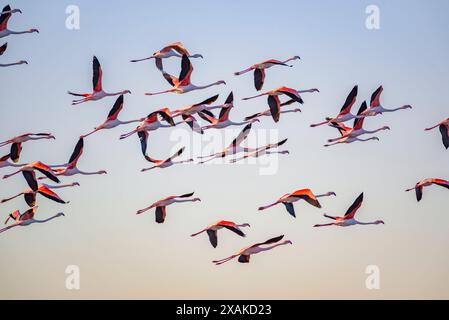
(122, 255)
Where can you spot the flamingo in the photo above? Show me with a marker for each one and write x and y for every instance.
(112, 121)
(26, 219)
(2, 50)
(305, 194)
(444, 130)
(347, 134)
(27, 137)
(345, 137)
(98, 92)
(261, 151)
(167, 162)
(213, 229)
(267, 113)
(150, 123)
(233, 148)
(345, 112)
(162, 204)
(375, 106)
(425, 183)
(70, 168)
(348, 219)
(245, 253)
(43, 189)
(175, 49)
(39, 166)
(4, 17)
(205, 106)
(5, 163)
(223, 119)
(259, 70)
(273, 98)
(182, 84)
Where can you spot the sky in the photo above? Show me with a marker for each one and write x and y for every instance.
(124, 256)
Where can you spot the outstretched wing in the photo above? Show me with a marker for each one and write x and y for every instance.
(308, 196)
(207, 101)
(160, 214)
(350, 100)
(3, 48)
(118, 106)
(97, 75)
(16, 149)
(290, 209)
(354, 207)
(292, 94)
(212, 237)
(4, 17)
(445, 135)
(375, 97)
(358, 123)
(30, 178)
(186, 69)
(259, 78)
(45, 170)
(47, 193)
(242, 136)
(275, 107)
(77, 152)
(143, 137)
(177, 154)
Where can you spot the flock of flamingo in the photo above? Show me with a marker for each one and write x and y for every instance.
(188, 115)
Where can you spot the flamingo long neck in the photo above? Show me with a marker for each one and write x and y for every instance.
(20, 32)
(13, 197)
(307, 91)
(368, 139)
(46, 220)
(273, 246)
(59, 186)
(374, 131)
(395, 109)
(366, 223)
(269, 206)
(109, 94)
(89, 173)
(129, 121)
(9, 64)
(323, 195)
(207, 86)
(184, 200)
(289, 59)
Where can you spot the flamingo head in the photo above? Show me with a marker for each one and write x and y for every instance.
(16, 11)
(379, 222)
(196, 199)
(33, 30)
(22, 62)
(127, 91)
(220, 82)
(76, 184)
(245, 225)
(197, 55)
(315, 90)
(331, 194)
(296, 58)
(287, 242)
(102, 172)
(386, 128)
(60, 214)
(407, 106)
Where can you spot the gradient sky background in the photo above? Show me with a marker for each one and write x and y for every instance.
(122, 255)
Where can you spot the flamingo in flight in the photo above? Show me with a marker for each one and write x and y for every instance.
(222, 121)
(345, 112)
(212, 230)
(5, 163)
(233, 148)
(70, 168)
(205, 106)
(4, 17)
(26, 219)
(161, 205)
(175, 49)
(349, 135)
(376, 108)
(444, 130)
(267, 113)
(304, 194)
(167, 162)
(182, 84)
(348, 219)
(261, 151)
(245, 253)
(150, 123)
(425, 183)
(273, 99)
(2, 50)
(98, 92)
(39, 166)
(112, 120)
(16, 143)
(43, 189)
(259, 70)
